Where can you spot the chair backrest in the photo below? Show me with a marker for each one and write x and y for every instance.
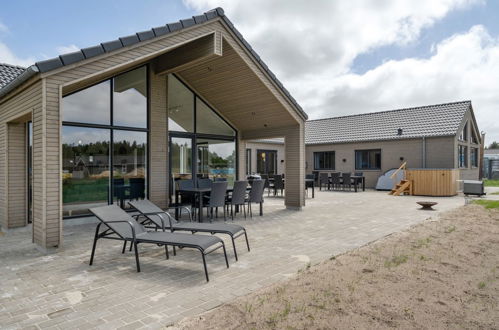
(145, 206)
(323, 177)
(278, 182)
(256, 192)
(266, 178)
(239, 193)
(309, 176)
(346, 177)
(185, 184)
(220, 179)
(335, 177)
(115, 213)
(359, 173)
(137, 188)
(117, 192)
(218, 193)
(204, 183)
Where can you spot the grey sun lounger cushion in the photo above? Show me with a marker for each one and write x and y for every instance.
(203, 241)
(155, 215)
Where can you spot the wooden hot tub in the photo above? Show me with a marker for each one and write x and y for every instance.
(433, 182)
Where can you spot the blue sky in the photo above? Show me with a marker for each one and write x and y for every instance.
(354, 56)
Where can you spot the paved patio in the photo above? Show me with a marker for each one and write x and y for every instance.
(60, 291)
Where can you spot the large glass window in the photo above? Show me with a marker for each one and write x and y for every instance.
(474, 157)
(91, 105)
(85, 177)
(368, 159)
(129, 165)
(181, 158)
(266, 161)
(462, 156)
(180, 106)
(207, 121)
(89, 152)
(130, 99)
(324, 160)
(216, 159)
(464, 133)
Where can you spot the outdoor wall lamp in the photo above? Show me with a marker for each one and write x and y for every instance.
(344, 160)
(401, 159)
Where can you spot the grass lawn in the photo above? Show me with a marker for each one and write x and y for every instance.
(491, 183)
(489, 204)
(85, 190)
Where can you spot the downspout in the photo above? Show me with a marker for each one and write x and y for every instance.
(423, 150)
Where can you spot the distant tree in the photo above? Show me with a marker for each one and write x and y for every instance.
(494, 145)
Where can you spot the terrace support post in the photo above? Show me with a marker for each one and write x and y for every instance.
(295, 167)
(158, 141)
(47, 169)
(241, 154)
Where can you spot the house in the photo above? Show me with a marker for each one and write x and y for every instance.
(433, 136)
(491, 164)
(172, 102)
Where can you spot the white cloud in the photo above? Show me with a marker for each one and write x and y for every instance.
(67, 49)
(311, 47)
(7, 56)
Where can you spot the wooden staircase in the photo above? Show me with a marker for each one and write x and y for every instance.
(403, 187)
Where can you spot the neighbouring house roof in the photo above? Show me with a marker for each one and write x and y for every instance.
(491, 151)
(8, 73)
(425, 121)
(110, 46)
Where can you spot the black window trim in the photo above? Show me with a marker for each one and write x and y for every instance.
(316, 168)
(357, 168)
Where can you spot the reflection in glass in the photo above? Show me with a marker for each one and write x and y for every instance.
(181, 158)
(216, 159)
(207, 121)
(91, 105)
(266, 161)
(85, 177)
(129, 166)
(180, 106)
(130, 99)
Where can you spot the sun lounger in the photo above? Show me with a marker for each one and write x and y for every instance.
(119, 225)
(156, 216)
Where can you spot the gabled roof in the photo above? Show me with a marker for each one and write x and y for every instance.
(113, 45)
(8, 73)
(426, 121)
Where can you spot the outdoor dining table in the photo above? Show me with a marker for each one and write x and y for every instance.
(200, 192)
(307, 181)
(356, 179)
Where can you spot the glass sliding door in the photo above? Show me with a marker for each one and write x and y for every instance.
(216, 159)
(181, 158)
(85, 157)
(266, 161)
(29, 170)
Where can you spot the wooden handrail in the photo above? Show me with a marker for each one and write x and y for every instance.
(401, 167)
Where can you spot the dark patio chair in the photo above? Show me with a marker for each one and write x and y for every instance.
(278, 185)
(220, 179)
(137, 188)
(153, 215)
(238, 197)
(324, 180)
(217, 199)
(307, 183)
(119, 225)
(346, 180)
(256, 195)
(335, 180)
(265, 177)
(204, 183)
(358, 182)
(186, 199)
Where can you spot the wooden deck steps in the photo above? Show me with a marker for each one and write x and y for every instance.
(403, 187)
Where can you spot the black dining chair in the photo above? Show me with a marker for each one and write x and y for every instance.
(217, 199)
(256, 195)
(220, 179)
(309, 184)
(265, 177)
(323, 180)
(137, 188)
(347, 180)
(186, 198)
(204, 183)
(278, 185)
(358, 182)
(238, 197)
(335, 180)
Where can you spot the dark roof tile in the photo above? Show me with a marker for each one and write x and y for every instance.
(187, 22)
(174, 26)
(145, 35)
(109, 46)
(199, 19)
(50, 64)
(8, 73)
(92, 51)
(71, 58)
(161, 30)
(129, 40)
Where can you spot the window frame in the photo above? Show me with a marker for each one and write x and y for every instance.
(358, 168)
(248, 161)
(323, 153)
(465, 151)
(111, 129)
(474, 160)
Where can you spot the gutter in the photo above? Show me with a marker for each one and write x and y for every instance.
(19, 80)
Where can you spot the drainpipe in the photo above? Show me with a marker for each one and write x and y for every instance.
(423, 152)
